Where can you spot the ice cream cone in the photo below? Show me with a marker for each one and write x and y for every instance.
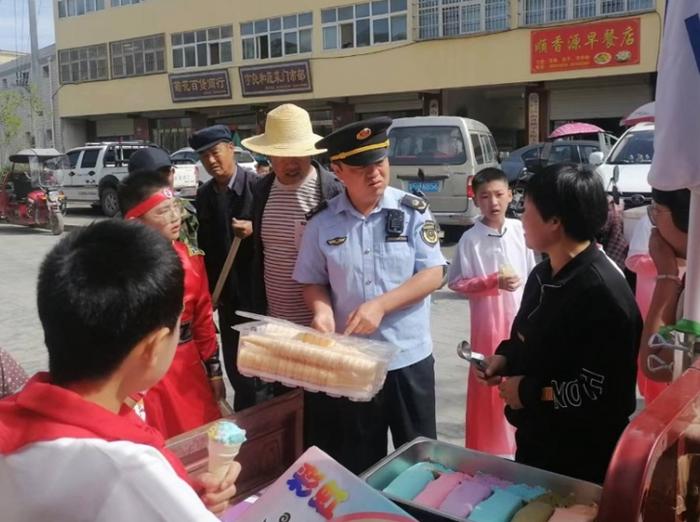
(506, 270)
(221, 456)
(225, 440)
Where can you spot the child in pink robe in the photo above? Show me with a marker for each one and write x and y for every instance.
(490, 265)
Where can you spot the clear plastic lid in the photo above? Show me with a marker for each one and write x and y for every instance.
(341, 366)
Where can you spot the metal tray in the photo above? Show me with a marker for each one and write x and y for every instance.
(468, 461)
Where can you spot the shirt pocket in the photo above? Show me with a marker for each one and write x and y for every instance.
(336, 244)
(396, 262)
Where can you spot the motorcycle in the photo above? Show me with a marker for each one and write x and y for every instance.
(30, 192)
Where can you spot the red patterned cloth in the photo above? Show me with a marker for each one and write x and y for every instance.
(12, 376)
(612, 236)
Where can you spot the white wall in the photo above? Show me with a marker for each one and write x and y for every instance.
(74, 133)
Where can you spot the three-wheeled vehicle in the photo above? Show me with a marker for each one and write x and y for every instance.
(30, 193)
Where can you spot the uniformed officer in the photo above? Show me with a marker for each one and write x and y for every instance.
(155, 159)
(370, 259)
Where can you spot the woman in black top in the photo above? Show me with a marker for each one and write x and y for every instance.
(567, 373)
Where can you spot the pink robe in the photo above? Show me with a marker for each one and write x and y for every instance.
(473, 272)
(639, 261)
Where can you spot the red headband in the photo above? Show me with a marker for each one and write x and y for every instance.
(146, 205)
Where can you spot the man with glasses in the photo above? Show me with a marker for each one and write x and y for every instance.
(225, 209)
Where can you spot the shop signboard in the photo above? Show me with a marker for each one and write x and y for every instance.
(611, 43)
(207, 85)
(533, 118)
(281, 78)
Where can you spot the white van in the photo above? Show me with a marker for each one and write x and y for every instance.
(438, 156)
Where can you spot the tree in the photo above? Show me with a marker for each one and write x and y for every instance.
(10, 120)
(12, 103)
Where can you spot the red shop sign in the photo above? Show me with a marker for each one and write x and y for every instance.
(611, 43)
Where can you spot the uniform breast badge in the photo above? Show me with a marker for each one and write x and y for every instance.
(336, 241)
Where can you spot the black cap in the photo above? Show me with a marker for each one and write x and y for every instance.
(359, 143)
(206, 138)
(149, 159)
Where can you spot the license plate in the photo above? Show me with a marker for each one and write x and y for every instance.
(424, 186)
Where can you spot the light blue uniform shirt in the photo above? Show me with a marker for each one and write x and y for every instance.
(350, 253)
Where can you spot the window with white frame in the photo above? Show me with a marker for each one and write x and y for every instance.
(361, 25)
(79, 7)
(442, 18)
(202, 47)
(138, 56)
(277, 37)
(537, 12)
(83, 64)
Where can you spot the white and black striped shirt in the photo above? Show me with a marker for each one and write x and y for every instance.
(282, 227)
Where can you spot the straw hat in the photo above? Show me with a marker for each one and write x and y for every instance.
(288, 133)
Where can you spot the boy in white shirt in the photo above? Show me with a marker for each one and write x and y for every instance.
(490, 266)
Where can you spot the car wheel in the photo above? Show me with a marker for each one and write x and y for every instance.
(109, 201)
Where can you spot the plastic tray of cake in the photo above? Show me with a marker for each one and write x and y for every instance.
(437, 481)
(341, 366)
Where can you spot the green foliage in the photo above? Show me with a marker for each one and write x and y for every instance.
(10, 120)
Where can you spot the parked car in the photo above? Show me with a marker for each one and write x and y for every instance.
(187, 155)
(574, 151)
(631, 157)
(438, 156)
(96, 169)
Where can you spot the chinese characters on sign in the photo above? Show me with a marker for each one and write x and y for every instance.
(209, 85)
(601, 44)
(533, 118)
(283, 78)
(327, 497)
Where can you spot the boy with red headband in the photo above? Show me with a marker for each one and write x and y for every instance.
(187, 396)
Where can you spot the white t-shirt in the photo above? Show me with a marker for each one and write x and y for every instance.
(282, 228)
(93, 480)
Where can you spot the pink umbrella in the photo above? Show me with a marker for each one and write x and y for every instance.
(644, 113)
(571, 129)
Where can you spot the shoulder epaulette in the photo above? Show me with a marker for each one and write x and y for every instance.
(318, 208)
(414, 202)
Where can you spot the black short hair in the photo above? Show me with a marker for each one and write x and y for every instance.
(678, 201)
(573, 194)
(487, 176)
(101, 290)
(137, 187)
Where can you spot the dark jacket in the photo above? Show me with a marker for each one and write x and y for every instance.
(215, 235)
(328, 187)
(578, 334)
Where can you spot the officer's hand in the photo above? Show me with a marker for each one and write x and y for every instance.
(241, 227)
(495, 366)
(218, 493)
(365, 319)
(509, 283)
(323, 322)
(508, 390)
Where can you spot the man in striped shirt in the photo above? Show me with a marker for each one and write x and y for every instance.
(297, 187)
